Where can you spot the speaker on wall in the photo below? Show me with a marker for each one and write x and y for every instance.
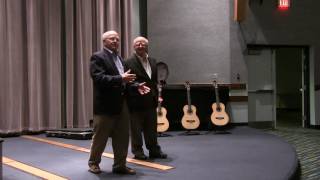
(240, 10)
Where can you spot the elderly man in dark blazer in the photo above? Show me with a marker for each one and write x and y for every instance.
(143, 113)
(111, 80)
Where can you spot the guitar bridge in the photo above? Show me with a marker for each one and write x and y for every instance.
(219, 118)
(190, 121)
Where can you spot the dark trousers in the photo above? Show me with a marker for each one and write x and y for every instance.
(144, 122)
(116, 127)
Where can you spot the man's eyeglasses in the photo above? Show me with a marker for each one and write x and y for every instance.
(113, 39)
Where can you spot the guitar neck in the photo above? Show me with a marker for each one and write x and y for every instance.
(216, 90)
(159, 103)
(189, 100)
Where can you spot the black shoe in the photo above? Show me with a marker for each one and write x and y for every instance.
(140, 157)
(124, 170)
(159, 155)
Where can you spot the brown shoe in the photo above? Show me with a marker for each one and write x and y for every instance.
(95, 169)
(124, 170)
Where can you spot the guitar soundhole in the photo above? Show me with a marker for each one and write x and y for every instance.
(218, 109)
(159, 113)
(190, 111)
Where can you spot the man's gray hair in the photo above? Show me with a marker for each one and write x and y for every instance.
(140, 38)
(107, 34)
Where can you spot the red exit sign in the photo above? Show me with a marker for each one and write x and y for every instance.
(283, 4)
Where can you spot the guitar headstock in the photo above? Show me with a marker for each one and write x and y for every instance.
(187, 85)
(215, 80)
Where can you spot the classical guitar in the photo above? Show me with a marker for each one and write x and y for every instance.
(219, 117)
(190, 119)
(162, 121)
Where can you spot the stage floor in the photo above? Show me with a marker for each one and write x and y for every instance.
(243, 154)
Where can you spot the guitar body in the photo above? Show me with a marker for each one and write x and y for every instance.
(190, 119)
(219, 117)
(162, 121)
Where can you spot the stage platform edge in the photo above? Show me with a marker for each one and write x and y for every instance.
(71, 133)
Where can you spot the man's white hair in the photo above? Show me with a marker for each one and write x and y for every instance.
(107, 34)
(140, 38)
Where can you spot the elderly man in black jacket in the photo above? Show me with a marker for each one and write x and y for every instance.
(111, 80)
(143, 113)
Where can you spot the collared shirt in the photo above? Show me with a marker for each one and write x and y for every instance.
(116, 60)
(146, 64)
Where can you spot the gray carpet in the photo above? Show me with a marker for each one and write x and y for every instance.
(244, 154)
(306, 141)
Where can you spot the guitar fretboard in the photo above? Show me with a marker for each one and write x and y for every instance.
(188, 97)
(189, 100)
(216, 90)
(159, 102)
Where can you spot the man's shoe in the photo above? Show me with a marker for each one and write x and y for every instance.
(124, 170)
(159, 155)
(95, 169)
(140, 157)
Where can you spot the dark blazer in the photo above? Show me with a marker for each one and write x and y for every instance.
(109, 91)
(137, 102)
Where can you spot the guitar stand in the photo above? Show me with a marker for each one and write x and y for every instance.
(218, 130)
(190, 133)
(160, 134)
(221, 132)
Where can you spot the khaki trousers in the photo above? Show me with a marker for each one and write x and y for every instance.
(116, 127)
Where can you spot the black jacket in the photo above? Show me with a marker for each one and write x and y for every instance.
(109, 90)
(137, 102)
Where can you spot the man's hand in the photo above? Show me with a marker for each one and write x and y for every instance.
(143, 89)
(127, 77)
